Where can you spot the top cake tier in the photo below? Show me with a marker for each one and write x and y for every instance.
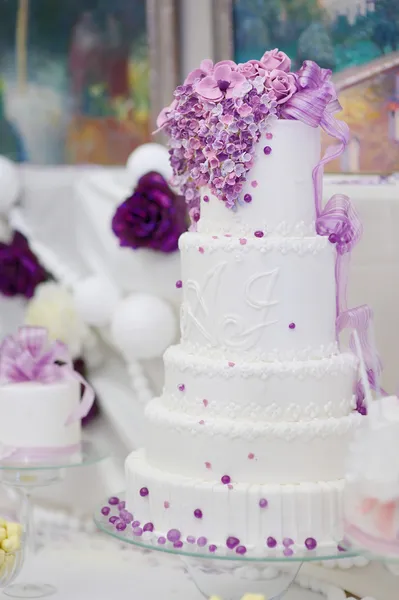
(278, 196)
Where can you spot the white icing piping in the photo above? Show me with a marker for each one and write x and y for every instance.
(307, 245)
(303, 430)
(272, 412)
(212, 361)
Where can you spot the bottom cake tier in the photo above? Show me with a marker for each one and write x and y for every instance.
(230, 516)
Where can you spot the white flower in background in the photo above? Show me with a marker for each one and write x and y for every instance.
(53, 307)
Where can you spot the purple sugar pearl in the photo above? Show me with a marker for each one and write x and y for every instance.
(121, 526)
(148, 527)
(181, 387)
(226, 479)
(161, 540)
(121, 505)
(113, 519)
(202, 541)
(267, 150)
(173, 535)
(288, 552)
(333, 238)
(288, 542)
(292, 325)
(105, 511)
(263, 503)
(269, 136)
(126, 516)
(179, 284)
(113, 501)
(310, 543)
(135, 523)
(178, 544)
(247, 198)
(144, 492)
(212, 548)
(137, 531)
(241, 550)
(206, 198)
(198, 513)
(232, 542)
(259, 234)
(190, 539)
(271, 542)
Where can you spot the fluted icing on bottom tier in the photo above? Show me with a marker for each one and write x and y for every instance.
(261, 517)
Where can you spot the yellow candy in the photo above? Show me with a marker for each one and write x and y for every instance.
(13, 528)
(11, 544)
(3, 534)
(253, 597)
(3, 522)
(2, 557)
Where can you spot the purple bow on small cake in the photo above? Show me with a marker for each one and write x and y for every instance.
(29, 356)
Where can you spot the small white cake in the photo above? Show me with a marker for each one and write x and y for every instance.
(40, 400)
(33, 418)
(372, 481)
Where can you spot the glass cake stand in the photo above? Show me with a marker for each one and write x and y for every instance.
(230, 576)
(25, 477)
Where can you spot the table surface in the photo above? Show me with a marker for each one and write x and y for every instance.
(94, 568)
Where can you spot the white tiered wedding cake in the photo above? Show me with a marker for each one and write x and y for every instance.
(245, 448)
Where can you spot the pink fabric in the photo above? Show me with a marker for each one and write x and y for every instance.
(38, 454)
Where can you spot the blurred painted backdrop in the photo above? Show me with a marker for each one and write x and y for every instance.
(359, 41)
(73, 80)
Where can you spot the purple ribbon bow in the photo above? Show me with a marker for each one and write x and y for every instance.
(315, 103)
(340, 222)
(30, 356)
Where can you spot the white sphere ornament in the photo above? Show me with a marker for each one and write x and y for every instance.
(9, 184)
(146, 158)
(143, 326)
(96, 299)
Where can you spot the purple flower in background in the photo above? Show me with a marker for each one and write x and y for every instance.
(20, 270)
(276, 59)
(224, 82)
(152, 217)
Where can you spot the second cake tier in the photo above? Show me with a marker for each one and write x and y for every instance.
(258, 298)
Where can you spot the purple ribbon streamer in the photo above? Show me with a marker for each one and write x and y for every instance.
(340, 222)
(359, 319)
(29, 356)
(315, 104)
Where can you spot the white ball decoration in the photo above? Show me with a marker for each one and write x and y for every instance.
(146, 158)
(143, 326)
(96, 299)
(9, 184)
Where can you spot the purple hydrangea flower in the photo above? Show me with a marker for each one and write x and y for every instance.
(20, 270)
(152, 217)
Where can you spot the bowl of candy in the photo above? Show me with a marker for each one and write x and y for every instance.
(12, 535)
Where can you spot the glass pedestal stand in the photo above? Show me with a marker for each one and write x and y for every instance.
(230, 576)
(28, 476)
